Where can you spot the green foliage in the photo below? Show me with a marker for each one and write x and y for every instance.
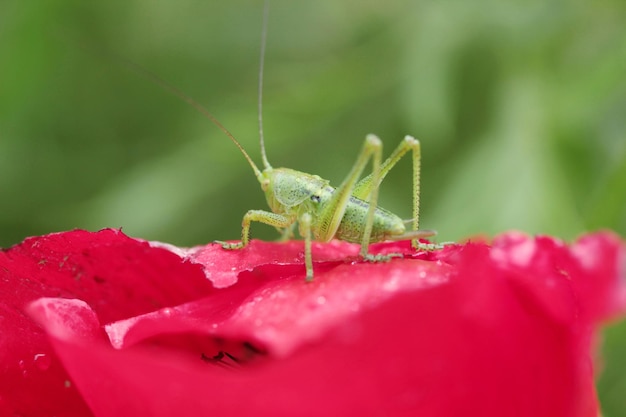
(520, 108)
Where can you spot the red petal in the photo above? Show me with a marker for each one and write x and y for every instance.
(465, 330)
(280, 314)
(222, 267)
(115, 275)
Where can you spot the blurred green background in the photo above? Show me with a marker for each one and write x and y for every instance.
(520, 108)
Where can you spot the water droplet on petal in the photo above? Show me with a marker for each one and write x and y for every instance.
(166, 311)
(278, 294)
(42, 361)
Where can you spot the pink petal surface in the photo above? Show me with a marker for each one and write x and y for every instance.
(505, 329)
(118, 277)
(224, 270)
(280, 315)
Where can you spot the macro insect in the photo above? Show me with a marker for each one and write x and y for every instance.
(349, 212)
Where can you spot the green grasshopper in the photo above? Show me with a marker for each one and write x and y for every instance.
(349, 212)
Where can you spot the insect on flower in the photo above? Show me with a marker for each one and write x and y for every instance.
(322, 212)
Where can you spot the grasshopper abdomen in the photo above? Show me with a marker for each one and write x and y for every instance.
(385, 226)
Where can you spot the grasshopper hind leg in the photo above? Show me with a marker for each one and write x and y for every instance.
(413, 236)
(368, 186)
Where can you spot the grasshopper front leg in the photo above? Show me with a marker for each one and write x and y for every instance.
(280, 222)
(261, 216)
(305, 231)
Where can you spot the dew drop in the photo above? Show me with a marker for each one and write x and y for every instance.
(166, 311)
(391, 285)
(315, 303)
(42, 361)
(278, 294)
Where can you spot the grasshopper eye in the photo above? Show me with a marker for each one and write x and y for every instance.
(315, 198)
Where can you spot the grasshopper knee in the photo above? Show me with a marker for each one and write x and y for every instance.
(411, 141)
(373, 141)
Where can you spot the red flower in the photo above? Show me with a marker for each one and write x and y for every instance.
(102, 324)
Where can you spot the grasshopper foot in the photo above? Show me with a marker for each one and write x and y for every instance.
(368, 257)
(431, 246)
(229, 245)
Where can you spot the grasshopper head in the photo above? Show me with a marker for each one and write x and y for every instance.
(286, 188)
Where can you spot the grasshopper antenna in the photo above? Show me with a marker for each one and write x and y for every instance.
(199, 107)
(266, 12)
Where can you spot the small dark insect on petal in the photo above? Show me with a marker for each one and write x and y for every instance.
(247, 353)
(315, 198)
(222, 358)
